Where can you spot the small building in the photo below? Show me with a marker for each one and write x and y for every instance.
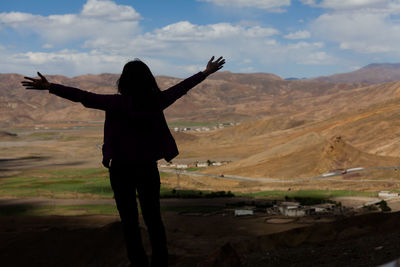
(386, 194)
(243, 212)
(322, 208)
(291, 209)
(201, 164)
(182, 166)
(216, 164)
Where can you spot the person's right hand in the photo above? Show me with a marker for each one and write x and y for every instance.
(214, 66)
(36, 84)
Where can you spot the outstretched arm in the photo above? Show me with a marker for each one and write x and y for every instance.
(88, 99)
(173, 93)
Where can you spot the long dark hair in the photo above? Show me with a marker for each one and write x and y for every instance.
(138, 82)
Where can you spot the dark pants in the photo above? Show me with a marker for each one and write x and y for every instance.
(143, 177)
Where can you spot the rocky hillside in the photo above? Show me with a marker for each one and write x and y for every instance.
(370, 74)
(224, 96)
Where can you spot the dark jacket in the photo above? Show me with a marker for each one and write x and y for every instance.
(131, 134)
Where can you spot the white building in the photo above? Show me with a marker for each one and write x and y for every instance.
(386, 194)
(182, 166)
(243, 212)
(201, 164)
(291, 209)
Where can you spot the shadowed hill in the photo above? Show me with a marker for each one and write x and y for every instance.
(306, 156)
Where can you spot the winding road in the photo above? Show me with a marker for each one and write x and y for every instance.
(275, 180)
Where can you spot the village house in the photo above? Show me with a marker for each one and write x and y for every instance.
(181, 166)
(387, 194)
(201, 164)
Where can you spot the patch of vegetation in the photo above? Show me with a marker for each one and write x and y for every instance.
(43, 135)
(194, 169)
(371, 208)
(81, 183)
(307, 201)
(165, 174)
(76, 173)
(68, 138)
(59, 183)
(384, 206)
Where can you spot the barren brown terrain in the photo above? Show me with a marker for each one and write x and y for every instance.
(288, 129)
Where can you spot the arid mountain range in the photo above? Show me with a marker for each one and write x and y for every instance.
(370, 74)
(222, 97)
(297, 128)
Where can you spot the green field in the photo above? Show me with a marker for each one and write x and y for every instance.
(94, 184)
(79, 183)
(63, 183)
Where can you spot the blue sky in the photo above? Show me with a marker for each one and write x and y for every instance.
(290, 38)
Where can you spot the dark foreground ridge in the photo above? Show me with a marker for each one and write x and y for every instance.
(365, 240)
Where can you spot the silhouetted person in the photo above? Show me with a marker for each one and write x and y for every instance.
(136, 135)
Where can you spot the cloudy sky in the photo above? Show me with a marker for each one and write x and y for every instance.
(290, 38)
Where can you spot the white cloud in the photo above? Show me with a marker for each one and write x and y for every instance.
(65, 62)
(97, 19)
(371, 5)
(185, 40)
(272, 5)
(317, 58)
(184, 30)
(110, 36)
(363, 32)
(363, 26)
(47, 46)
(309, 2)
(105, 9)
(298, 35)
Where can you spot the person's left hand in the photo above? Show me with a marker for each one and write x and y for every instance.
(36, 84)
(213, 66)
